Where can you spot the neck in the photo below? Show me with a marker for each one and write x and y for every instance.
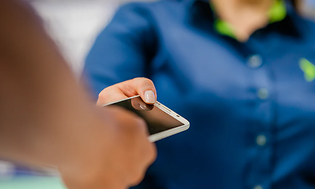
(245, 16)
(255, 4)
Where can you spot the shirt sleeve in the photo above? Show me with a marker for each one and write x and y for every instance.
(123, 50)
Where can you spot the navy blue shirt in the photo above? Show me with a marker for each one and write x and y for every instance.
(251, 104)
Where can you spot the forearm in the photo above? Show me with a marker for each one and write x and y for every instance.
(38, 110)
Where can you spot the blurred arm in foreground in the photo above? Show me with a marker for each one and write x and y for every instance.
(47, 119)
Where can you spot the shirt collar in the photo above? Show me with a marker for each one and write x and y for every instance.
(276, 13)
(282, 12)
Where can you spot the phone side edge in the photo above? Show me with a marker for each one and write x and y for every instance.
(171, 113)
(167, 133)
(110, 103)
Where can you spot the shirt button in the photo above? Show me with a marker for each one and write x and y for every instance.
(262, 93)
(261, 140)
(258, 187)
(254, 61)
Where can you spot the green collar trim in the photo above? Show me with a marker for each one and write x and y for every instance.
(276, 14)
(308, 69)
(224, 28)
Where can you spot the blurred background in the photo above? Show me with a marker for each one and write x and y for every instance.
(73, 25)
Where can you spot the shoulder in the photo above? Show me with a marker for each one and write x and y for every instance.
(153, 4)
(145, 8)
(145, 16)
(305, 40)
(307, 27)
(310, 23)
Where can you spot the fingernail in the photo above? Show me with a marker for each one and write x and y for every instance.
(143, 107)
(149, 97)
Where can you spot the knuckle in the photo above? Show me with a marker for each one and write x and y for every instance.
(141, 126)
(134, 126)
(102, 96)
(147, 82)
(151, 153)
(144, 81)
(138, 78)
(137, 178)
(141, 123)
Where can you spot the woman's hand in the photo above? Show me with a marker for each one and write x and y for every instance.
(137, 86)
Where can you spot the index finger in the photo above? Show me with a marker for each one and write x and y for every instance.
(137, 86)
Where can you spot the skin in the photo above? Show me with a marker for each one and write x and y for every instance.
(245, 16)
(127, 89)
(46, 119)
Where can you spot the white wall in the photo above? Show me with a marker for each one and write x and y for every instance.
(74, 24)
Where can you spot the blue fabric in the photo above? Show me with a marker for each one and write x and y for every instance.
(211, 80)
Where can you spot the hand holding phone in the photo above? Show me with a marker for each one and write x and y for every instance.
(161, 121)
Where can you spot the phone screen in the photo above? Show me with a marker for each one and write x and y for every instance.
(156, 119)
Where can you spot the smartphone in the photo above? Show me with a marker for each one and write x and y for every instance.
(161, 121)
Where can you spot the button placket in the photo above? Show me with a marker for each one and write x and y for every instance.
(262, 93)
(261, 140)
(254, 61)
(258, 187)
